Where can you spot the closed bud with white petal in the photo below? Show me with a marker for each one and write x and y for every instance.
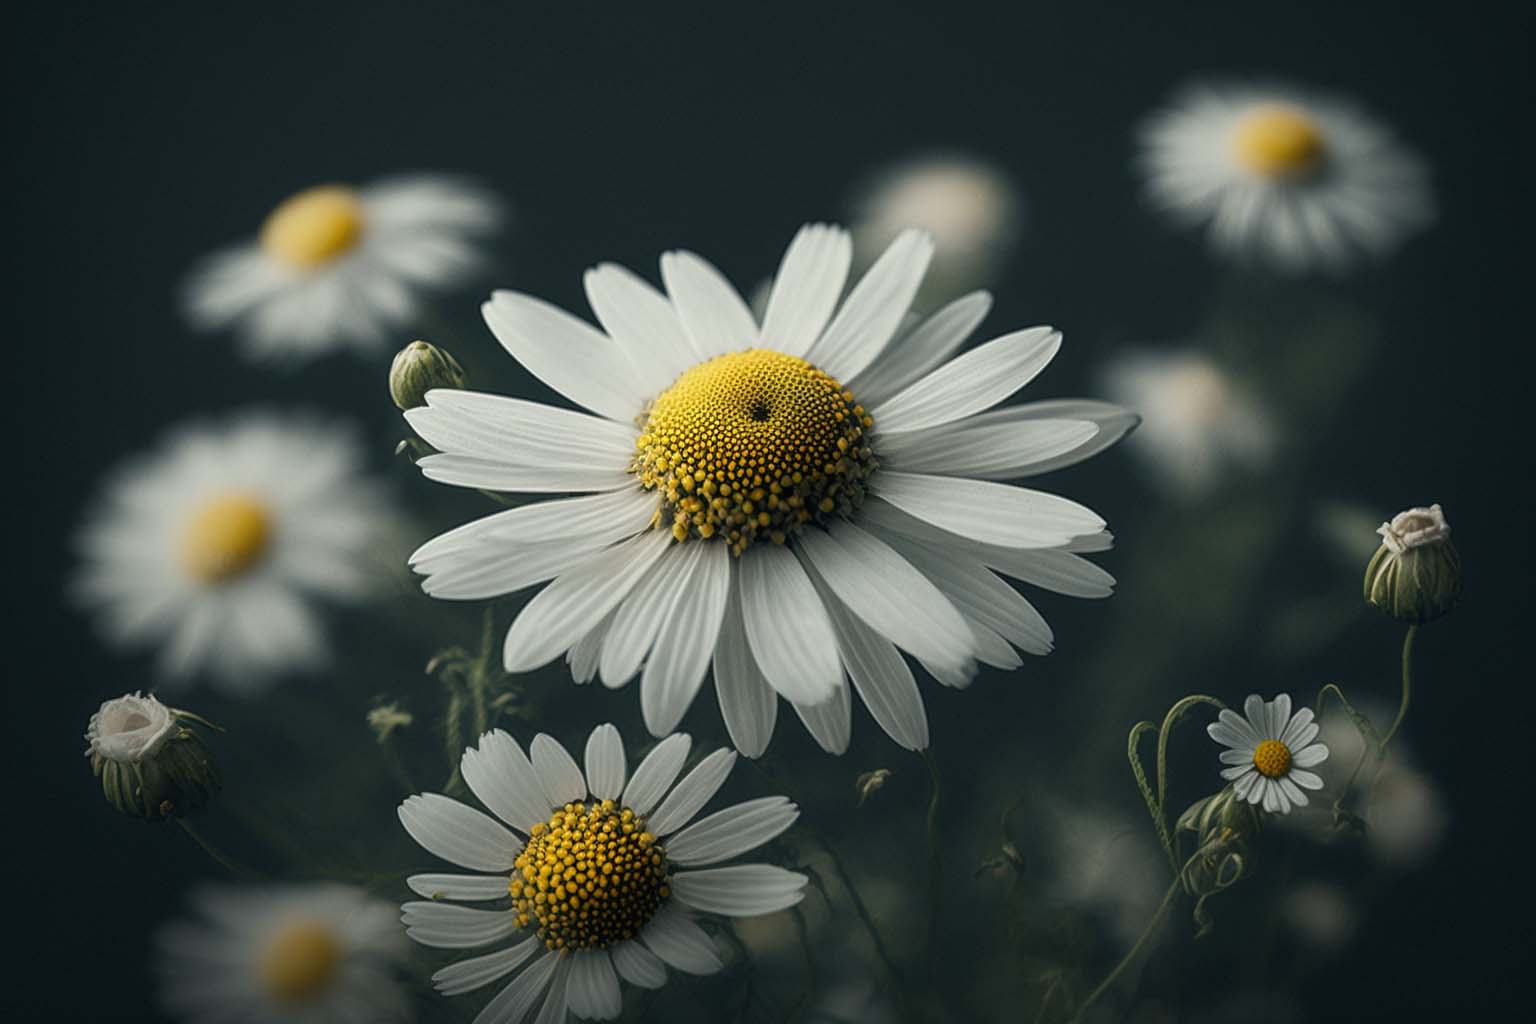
(1415, 576)
(417, 369)
(150, 761)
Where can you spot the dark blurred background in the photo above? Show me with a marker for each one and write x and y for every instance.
(146, 135)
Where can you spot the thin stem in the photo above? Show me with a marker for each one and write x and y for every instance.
(804, 999)
(1402, 708)
(213, 851)
(861, 909)
(480, 675)
(935, 864)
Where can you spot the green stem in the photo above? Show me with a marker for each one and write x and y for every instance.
(213, 851)
(862, 910)
(804, 999)
(935, 863)
(480, 676)
(1402, 708)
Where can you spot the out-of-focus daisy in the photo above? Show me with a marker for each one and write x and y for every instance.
(971, 209)
(1107, 865)
(794, 502)
(1405, 813)
(1271, 750)
(339, 266)
(1198, 423)
(1294, 179)
(270, 954)
(1321, 914)
(214, 546)
(602, 875)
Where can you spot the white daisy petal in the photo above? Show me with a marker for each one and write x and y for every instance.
(913, 354)
(570, 356)
(447, 926)
(1292, 793)
(673, 937)
(521, 432)
(742, 890)
(489, 475)
(1306, 779)
(1235, 772)
(970, 383)
(1113, 421)
(1296, 727)
(806, 288)
(1230, 728)
(460, 834)
(475, 577)
(593, 990)
(638, 965)
(692, 793)
(686, 641)
(656, 773)
(733, 831)
(600, 519)
(1310, 757)
(999, 451)
(747, 703)
(829, 723)
(1247, 787)
(557, 770)
(605, 763)
(787, 627)
(712, 311)
(982, 597)
(1257, 713)
(1242, 756)
(513, 1003)
(476, 972)
(649, 605)
(1279, 715)
(874, 308)
(472, 888)
(557, 1001)
(992, 513)
(643, 322)
(500, 774)
(882, 677)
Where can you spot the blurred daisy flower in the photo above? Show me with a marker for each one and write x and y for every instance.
(213, 546)
(336, 266)
(969, 207)
(603, 873)
(1283, 176)
(1271, 750)
(272, 954)
(1197, 421)
(794, 502)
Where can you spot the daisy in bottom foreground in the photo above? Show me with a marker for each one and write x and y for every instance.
(794, 502)
(1271, 752)
(604, 885)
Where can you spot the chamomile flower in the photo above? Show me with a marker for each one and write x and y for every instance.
(214, 547)
(1271, 750)
(793, 503)
(1284, 176)
(272, 954)
(336, 266)
(599, 875)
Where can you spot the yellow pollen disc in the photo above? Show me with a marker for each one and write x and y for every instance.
(314, 227)
(1272, 758)
(300, 962)
(752, 445)
(1277, 141)
(588, 878)
(225, 537)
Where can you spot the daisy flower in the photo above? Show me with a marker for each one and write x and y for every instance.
(338, 266)
(214, 546)
(601, 878)
(270, 954)
(1270, 753)
(793, 503)
(1287, 177)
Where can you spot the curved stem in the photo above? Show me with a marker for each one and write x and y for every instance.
(861, 909)
(213, 851)
(935, 862)
(480, 675)
(1402, 707)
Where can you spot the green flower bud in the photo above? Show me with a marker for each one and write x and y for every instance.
(1415, 576)
(150, 762)
(417, 369)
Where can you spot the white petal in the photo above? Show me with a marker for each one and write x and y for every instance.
(605, 763)
(557, 1001)
(570, 356)
(732, 831)
(476, 576)
(468, 975)
(882, 677)
(583, 657)
(692, 793)
(999, 451)
(460, 834)
(1294, 729)
(638, 965)
(513, 1003)
(1309, 757)
(806, 288)
(993, 513)
(674, 937)
(1242, 756)
(1248, 788)
(1237, 771)
(447, 926)
(926, 346)
(643, 612)
(982, 597)
(472, 888)
(680, 659)
(1233, 730)
(601, 519)
(1257, 712)
(787, 627)
(747, 703)
(593, 989)
(1306, 779)
(742, 890)
(500, 774)
(557, 770)
(495, 475)
(563, 612)
(1292, 793)
(875, 307)
(970, 383)
(1279, 715)
(656, 773)
(1113, 421)
(712, 311)
(643, 323)
(520, 432)
(829, 723)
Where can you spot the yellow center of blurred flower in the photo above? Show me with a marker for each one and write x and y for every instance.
(1277, 140)
(300, 962)
(751, 445)
(590, 877)
(225, 537)
(1272, 758)
(314, 227)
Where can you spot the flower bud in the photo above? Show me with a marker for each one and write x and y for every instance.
(870, 783)
(1415, 576)
(150, 762)
(417, 369)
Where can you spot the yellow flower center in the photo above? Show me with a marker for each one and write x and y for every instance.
(589, 878)
(1277, 141)
(753, 444)
(300, 962)
(314, 227)
(225, 537)
(1272, 758)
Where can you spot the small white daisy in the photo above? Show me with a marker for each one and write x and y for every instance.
(1290, 178)
(1271, 752)
(603, 874)
(793, 503)
(1198, 423)
(338, 266)
(214, 545)
(274, 954)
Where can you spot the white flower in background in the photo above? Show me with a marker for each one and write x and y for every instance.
(970, 208)
(308, 954)
(789, 502)
(1198, 423)
(604, 873)
(130, 728)
(1271, 750)
(337, 266)
(214, 546)
(1321, 914)
(1286, 177)
(1106, 864)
